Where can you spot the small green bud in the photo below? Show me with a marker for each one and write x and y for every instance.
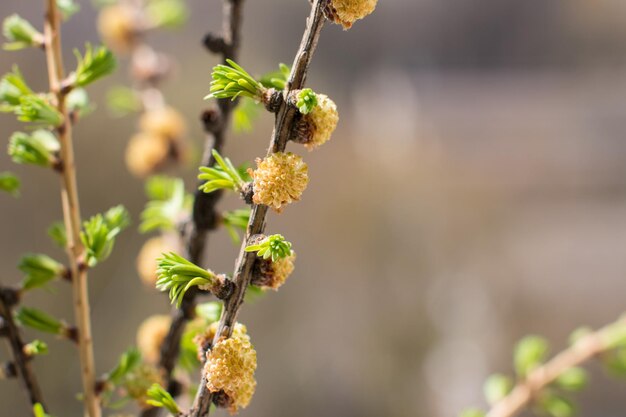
(39, 320)
(20, 33)
(100, 231)
(159, 397)
(306, 101)
(40, 270)
(169, 202)
(530, 353)
(95, 64)
(39, 148)
(10, 183)
(497, 387)
(274, 246)
(167, 13)
(38, 411)
(77, 102)
(36, 347)
(574, 379)
(12, 88)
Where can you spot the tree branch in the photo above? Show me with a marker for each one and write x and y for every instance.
(588, 347)
(204, 216)
(71, 212)
(8, 298)
(282, 130)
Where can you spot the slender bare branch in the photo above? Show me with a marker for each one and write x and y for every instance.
(71, 212)
(22, 362)
(585, 349)
(282, 129)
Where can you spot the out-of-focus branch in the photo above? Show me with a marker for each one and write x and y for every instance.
(586, 348)
(8, 329)
(284, 124)
(71, 211)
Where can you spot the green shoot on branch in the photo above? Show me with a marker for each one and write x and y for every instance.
(177, 275)
(38, 320)
(36, 347)
(232, 81)
(307, 100)
(274, 246)
(20, 33)
(224, 175)
(12, 88)
(40, 270)
(169, 202)
(39, 148)
(95, 64)
(100, 231)
(159, 397)
(37, 109)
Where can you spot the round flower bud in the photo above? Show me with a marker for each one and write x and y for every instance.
(346, 12)
(316, 127)
(230, 369)
(146, 153)
(146, 260)
(166, 122)
(268, 274)
(279, 179)
(117, 25)
(150, 336)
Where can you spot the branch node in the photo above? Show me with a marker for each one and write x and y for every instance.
(215, 43)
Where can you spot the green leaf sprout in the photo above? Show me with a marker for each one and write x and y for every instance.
(530, 353)
(307, 100)
(128, 361)
(177, 275)
(40, 270)
(159, 397)
(38, 411)
(276, 79)
(232, 81)
(168, 202)
(20, 33)
(36, 347)
(12, 88)
(100, 231)
(95, 64)
(37, 109)
(38, 320)
(77, 102)
(10, 183)
(39, 148)
(224, 175)
(274, 246)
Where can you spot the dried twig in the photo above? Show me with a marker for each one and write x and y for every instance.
(8, 298)
(282, 130)
(71, 211)
(588, 347)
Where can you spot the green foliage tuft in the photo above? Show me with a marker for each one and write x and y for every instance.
(307, 100)
(36, 347)
(232, 81)
(95, 64)
(169, 202)
(37, 109)
(159, 397)
(38, 320)
(128, 361)
(100, 231)
(12, 88)
(10, 183)
(39, 269)
(20, 33)
(177, 275)
(276, 79)
(39, 148)
(274, 246)
(223, 175)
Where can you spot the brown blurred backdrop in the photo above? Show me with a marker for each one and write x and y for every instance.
(475, 192)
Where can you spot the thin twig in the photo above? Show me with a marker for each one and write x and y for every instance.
(526, 391)
(8, 297)
(284, 124)
(71, 212)
(204, 215)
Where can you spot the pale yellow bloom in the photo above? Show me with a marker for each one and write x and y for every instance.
(279, 179)
(322, 121)
(146, 153)
(230, 368)
(206, 338)
(346, 12)
(166, 122)
(273, 275)
(150, 336)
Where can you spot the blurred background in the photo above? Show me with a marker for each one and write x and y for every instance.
(474, 193)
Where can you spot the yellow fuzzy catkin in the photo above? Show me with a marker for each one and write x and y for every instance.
(273, 274)
(279, 179)
(230, 367)
(117, 26)
(346, 12)
(150, 336)
(166, 122)
(146, 260)
(323, 120)
(146, 153)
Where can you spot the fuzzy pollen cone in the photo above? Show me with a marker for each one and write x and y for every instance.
(268, 274)
(166, 122)
(230, 369)
(346, 12)
(279, 179)
(204, 340)
(316, 127)
(146, 265)
(147, 153)
(150, 336)
(117, 25)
